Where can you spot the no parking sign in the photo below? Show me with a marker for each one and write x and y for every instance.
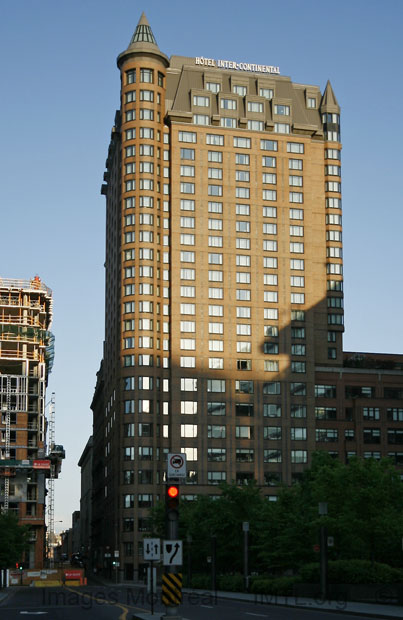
(176, 466)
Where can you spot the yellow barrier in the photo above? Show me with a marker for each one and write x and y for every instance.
(46, 584)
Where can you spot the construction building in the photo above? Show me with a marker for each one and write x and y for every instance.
(224, 292)
(26, 358)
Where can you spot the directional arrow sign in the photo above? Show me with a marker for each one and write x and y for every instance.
(172, 552)
(152, 549)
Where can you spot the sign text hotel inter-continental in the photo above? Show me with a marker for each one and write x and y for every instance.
(238, 66)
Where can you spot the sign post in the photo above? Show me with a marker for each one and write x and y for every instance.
(152, 551)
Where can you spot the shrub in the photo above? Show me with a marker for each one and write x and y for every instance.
(282, 586)
(200, 582)
(231, 583)
(352, 571)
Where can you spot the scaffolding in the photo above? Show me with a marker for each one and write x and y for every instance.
(6, 473)
(51, 483)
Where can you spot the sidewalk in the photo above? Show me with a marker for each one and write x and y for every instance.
(377, 610)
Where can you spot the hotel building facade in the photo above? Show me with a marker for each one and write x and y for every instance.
(224, 291)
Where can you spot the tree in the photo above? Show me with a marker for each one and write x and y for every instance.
(13, 540)
(365, 514)
(365, 517)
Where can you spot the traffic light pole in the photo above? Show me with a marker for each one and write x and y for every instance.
(172, 533)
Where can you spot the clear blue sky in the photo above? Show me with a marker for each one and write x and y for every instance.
(59, 92)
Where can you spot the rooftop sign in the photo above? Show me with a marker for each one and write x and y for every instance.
(237, 66)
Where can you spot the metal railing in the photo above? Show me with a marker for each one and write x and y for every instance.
(35, 284)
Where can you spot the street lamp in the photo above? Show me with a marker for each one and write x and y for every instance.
(245, 528)
(189, 549)
(322, 509)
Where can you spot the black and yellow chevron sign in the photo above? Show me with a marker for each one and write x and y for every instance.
(172, 589)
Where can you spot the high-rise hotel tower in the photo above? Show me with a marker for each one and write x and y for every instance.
(224, 285)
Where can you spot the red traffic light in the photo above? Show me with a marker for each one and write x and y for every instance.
(173, 491)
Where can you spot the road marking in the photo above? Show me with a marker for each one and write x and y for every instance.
(33, 613)
(248, 613)
(125, 610)
(207, 606)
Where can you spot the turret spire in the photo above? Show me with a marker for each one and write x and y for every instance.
(143, 32)
(329, 101)
(142, 41)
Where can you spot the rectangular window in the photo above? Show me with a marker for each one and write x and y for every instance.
(187, 136)
(282, 128)
(214, 408)
(241, 142)
(242, 159)
(187, 239)
(228, 104)
(188, 154)
(267, 93)
(254, 125)
(213, 87)
(269, 145)
(214, 190)
(214, 139)
(187, 171)
(201, 101)
(240, 90)
(295, 147)
(201, 119)
(215, 385)
(272, 456)
(269, 194)
(215, 156)
(188, 407)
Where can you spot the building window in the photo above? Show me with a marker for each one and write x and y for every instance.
(201, 119)
(255, 106)
(187, 136)
(131, 76)
(213, 87)
(228, 122)
(240, 142)
(299, 456)
(298, 411)
(272, 387)
(254, 125)
(214, 139)
(216, 477)
(201, 101)
(244, 409)
(272, 456)
(147, 76)
(282, 128)
(282, 110)
(267, 93)
(217, 455)
(237, 89)
(295, 147)
(329, 435)
(147, 95)
(214, 408)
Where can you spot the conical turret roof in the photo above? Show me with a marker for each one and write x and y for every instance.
(142, 41)
(143, 32)
(329, 101)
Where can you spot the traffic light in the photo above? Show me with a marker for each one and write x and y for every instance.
(172, 497)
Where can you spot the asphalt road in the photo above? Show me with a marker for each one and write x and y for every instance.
(119, 603)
